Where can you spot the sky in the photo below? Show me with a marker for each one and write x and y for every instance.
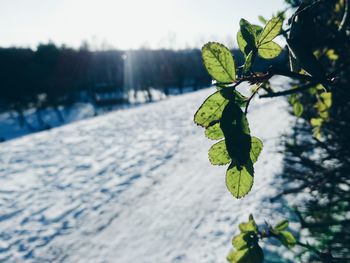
(127, 24)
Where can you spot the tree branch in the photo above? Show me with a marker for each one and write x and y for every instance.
(289, 91)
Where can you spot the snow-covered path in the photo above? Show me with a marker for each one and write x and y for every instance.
(131, 186)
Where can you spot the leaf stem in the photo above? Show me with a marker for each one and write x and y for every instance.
(251, 97)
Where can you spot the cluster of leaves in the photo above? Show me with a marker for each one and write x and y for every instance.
(322, 107)
(323, 98)
(253, 40)
(298, 107)
(246, 244)
(221, 113)
(224, 119)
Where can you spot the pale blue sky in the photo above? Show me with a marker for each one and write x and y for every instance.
(127, 24)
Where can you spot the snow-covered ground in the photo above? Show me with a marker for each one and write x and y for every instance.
(10, 127)
(133, 185)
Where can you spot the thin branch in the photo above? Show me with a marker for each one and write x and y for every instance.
(345, 19)
(251, 97)
(290, 74)
(289, 91)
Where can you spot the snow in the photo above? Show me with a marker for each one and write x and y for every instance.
(10, 127)
(134, 185)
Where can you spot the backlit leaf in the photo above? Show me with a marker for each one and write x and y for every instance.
(239, 181)
(211, 110)
(257, 146)
(298, 108)
(287, 239)
(214, 132)
(252, 254)
(248, 62)
(246, 37)
(271, 30)
(218, 154)
(282, 225)
(269, 50)
(249, 226)
(262, 19)
(219, 62)
(326, 98)
(316, 122)
(240, 241)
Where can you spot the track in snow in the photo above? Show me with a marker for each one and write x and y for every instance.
(131, 186)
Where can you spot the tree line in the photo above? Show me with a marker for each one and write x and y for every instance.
(50, 75)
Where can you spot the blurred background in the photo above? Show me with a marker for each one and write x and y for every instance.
(100, 160)
(80, 58)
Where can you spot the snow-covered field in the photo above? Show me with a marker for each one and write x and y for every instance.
(10, 127)
(133, 185)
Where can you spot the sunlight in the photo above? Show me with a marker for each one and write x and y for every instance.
(125, 24)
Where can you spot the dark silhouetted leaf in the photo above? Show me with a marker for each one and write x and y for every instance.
(252, 254)
(234, 125)
(246, 37)
(235, 96)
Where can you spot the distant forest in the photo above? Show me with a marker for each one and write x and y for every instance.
(53, 76)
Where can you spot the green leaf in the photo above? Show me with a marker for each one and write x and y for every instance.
(316, 132)
(262, 19)
(235, 96)
(242, 44)
(241, 241)
(236, 256)
(257, 29)
(271, 30)
(253, 254)
(234, 125)
(248, 227)
(282, 225)
(326, 98)
(219, 62)
(287, 239)
(257, 146)
(292, 98)
(214, 132)
(316, 122)
(248, 31)
(269, 50)
(211, 110)
(298, 108)
(230, 255)
(239, 181)
(246, 37)
(218, 154)
(248, 62)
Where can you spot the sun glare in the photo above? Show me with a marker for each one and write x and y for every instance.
(123, 24)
